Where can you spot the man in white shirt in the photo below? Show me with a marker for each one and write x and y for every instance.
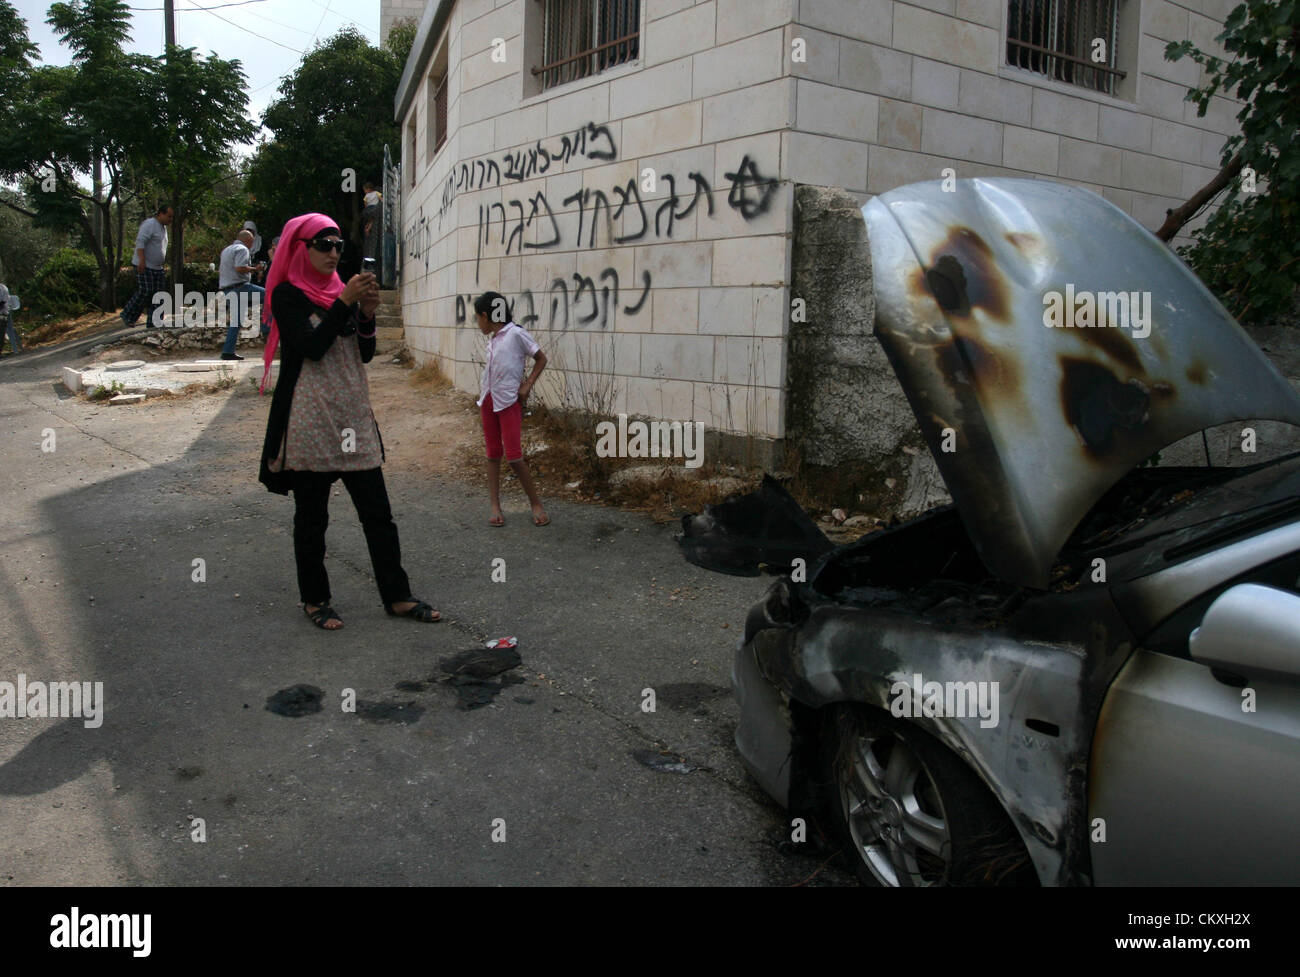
(6, 319)
(150, 255)
(233, 279)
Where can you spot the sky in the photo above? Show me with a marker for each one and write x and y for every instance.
(268, 37)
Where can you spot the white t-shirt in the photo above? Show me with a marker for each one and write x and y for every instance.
(233, 257)
(371, 198)
(507, 352)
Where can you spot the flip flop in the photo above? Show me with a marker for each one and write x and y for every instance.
(321, 615)
(420, 612)
(496, 522)
(544, 521)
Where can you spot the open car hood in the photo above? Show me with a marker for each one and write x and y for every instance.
(1030, 424)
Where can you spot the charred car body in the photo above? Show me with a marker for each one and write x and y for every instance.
(1083, 670)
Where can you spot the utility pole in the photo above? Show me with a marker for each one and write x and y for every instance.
(178, 232)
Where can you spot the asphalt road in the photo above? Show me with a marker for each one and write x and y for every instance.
(96, 572)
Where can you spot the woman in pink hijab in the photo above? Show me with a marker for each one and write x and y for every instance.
(321, 427)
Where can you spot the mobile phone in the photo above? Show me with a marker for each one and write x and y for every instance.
(368, 264)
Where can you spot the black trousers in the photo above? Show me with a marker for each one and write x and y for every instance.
(311, 494)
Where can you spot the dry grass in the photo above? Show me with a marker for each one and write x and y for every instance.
(429, 377)
(62, 330)
(560, 447)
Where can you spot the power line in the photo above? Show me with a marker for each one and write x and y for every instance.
(329, 9)
(239, 3)
(245, 29)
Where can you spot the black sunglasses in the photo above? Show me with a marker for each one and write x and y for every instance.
(326, 245)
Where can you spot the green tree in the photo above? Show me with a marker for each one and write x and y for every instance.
(105, 120)
(1248, 252)
(334, 114)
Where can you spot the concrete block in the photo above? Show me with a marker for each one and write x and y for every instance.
(567, 113)
(989, 13)
(741, 18)
(1173, 140)
(900, 124)
(1152, 61)
(889, 168)
(1126, 130)
(1151, 174)
(998, 99)
(1065, 115)
(650, 89)
(1091, 162)
(825, 161)
(761, 108)
(862, 20)
(682, 33)
(676, 310)
(740, 64)
(821, 54)
(677, 357)
(743, 311)
(746, 360)
(941, 38)
(833, 111)
(875, 69)
(677, 265)
(751, 260)
(1161, 98)
(1028, 149)
(663, 130)
(127, 399)
(1165, 20)
(72, 379)
(935, 84)
(960, 137)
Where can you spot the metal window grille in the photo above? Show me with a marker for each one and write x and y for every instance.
(440, 115)
(583, 37)
(1057, 38)
(411, 146)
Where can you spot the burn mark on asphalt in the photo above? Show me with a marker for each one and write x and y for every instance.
(663, 762)
(683, 696)
(473, 674)
(297, 700)
(188, 773)
(404, 713)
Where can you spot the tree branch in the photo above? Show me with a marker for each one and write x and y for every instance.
(1176, 218)
(12, 206)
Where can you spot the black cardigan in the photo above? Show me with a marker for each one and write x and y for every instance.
(299, 340)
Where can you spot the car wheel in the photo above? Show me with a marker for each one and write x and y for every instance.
(909, 812)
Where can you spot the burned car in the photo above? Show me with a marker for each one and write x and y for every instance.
(1085, 670)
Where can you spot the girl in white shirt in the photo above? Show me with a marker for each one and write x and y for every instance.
(502, 392)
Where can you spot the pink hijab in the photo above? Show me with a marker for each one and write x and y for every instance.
(292, 264)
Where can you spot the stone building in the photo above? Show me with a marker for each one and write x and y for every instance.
(625, 170)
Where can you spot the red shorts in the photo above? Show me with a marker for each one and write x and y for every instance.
(502, 430)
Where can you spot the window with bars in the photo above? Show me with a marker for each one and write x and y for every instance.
(584, 37)
(411, 145)
(437, 117)
(1072, 41)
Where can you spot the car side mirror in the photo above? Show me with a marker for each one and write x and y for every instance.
(1251, 630)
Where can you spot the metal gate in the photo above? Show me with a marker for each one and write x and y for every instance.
(390, 267)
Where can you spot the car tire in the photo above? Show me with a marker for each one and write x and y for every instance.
(908, 811)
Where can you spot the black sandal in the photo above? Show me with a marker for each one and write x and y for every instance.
(321, 615)
(420, 612)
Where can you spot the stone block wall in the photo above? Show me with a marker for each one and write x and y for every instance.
(637, 218)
